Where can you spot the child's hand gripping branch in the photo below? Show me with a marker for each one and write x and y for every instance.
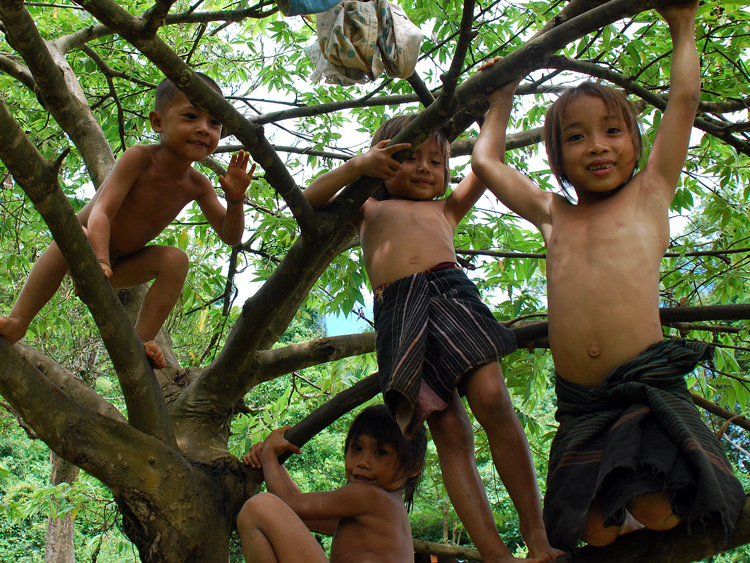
(377, 162)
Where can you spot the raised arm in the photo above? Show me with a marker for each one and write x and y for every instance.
(513, 189)
(672, 139)
(228, 223)
(376, 162)
(463, 198)
(319, 510)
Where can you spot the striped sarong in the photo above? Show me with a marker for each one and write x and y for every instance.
(432, 328)
(637, 433)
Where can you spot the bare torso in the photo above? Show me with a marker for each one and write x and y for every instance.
(401, 237)
(603, 282)
(381, 535)
(159, 193)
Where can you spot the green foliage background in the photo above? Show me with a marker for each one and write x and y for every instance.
(263, 69)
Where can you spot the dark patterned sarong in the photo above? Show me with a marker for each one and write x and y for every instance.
(637, 433)
(432, 328)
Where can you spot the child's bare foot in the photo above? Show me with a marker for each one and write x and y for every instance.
(12, 328)
(154, 354)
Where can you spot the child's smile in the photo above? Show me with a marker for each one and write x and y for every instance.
(368, 462)
(598, 152)
(188, 130)
(422, 175)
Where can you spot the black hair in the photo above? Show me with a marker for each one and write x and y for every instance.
(391, 127)
(376, 422)
(166, 90)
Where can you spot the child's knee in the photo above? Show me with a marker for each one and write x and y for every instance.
(595, 532)
(175, 263)
(654, 511)
(452, 429)
(254, 509)
(488, 396)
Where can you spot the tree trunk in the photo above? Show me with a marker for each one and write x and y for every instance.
(60, 545)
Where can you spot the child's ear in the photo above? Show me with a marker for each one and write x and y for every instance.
(155, 120)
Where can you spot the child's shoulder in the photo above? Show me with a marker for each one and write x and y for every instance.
(141, 150)
(367, 493)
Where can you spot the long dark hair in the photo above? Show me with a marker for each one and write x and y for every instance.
(376, 421)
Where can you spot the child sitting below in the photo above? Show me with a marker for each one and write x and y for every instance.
(366, 517)
(147, 188)
(434, 333)
(631, 449)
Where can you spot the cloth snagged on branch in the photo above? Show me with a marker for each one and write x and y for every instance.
(302, 7)
(357, 40)
(637, 433)
(432, 328)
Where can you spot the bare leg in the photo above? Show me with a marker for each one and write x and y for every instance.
(271, 532)
(168, 267)
(489, 401)
(44, 280)
(454, 439)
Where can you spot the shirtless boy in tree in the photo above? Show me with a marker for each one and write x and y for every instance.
(147, 188)
(631, 449)
(435, 335)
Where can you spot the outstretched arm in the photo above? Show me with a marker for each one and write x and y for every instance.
(228, 223)
(670, 147)
(377, 162)
(513, 189)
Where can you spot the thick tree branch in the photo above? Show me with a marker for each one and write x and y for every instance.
(68, 107)
(280, 361)
(103, 446)
(12, 67)
(69, 383)
(291, 358)
(439, 549)
(38, 178)
(338, 406)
